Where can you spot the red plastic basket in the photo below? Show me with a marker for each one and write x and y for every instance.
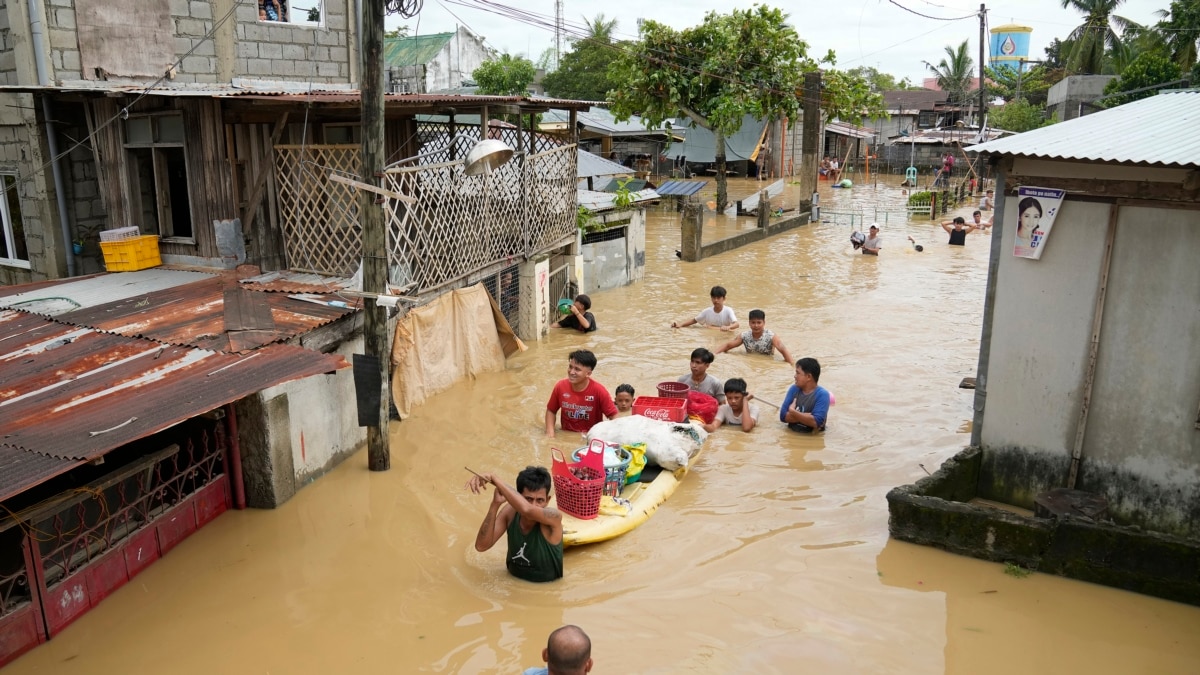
(673, 389)
(665, 409)
(579, 484)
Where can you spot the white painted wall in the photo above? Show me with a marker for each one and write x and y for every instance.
(323, 417)
(1141, 446)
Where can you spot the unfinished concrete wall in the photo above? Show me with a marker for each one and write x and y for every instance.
(1066, 96)
(92, 39)
(290, 434)
(1141, 445)
(456, 61)
(22, 153)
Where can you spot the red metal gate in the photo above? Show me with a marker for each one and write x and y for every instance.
(82, 544)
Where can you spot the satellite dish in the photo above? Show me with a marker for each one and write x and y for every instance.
(486, 156)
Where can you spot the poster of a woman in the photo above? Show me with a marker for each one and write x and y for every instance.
(1036, 211)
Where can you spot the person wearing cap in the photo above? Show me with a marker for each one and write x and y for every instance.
(873, 243)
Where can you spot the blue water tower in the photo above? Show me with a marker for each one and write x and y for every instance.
(1010, 47)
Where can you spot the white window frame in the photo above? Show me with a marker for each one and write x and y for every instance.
(7, 257)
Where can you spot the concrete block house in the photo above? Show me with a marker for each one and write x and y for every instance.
(135, 407)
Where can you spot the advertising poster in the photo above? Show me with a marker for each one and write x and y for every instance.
(1036, 210)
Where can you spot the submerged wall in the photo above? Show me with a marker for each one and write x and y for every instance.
(935, 512)
(1141, 444)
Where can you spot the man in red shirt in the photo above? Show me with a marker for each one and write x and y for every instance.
(581, 399)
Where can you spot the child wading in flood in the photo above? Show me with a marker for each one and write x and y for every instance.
(624, 399)
(737, 409)
(719, 316)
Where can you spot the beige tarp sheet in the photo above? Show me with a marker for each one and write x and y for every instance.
(461, 334)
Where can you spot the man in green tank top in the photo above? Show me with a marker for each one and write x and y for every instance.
(535, 534)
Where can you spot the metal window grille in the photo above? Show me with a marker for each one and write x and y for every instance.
(604, 235)
(505, 288)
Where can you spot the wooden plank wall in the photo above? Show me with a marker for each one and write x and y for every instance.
(249, 152)
(209, 182)
(210, 186)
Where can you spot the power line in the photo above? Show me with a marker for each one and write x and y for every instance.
(935, 18)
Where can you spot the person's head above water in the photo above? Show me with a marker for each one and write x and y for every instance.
(534, 484)
(568, 651)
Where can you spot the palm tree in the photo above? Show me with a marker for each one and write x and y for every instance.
(1096, 35)
(954, 75)
(1178, 30)
(599, 28)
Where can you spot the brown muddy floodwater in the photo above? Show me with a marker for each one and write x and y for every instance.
(773, 556)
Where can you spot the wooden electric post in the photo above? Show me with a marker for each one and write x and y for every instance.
(982, 81)
(374, 227)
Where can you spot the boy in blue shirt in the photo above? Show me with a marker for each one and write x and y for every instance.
(807, 405)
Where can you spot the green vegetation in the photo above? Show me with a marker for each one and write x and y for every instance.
(506, 76)
(1146, 70)
(954, 73)
(584, 72)
(1018, 116)
(747, 62)
(1098, 39)
(1014, 570)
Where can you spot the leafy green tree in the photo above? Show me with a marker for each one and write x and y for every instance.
(506, 76)
(1032, 85)
(1057, 53)
(1018, 115)
(583, 73)
(1146, 70)
(747, 62)
(1178, 31)
(397, 32)
(954, 72)
(879, 81)
(1097, 37)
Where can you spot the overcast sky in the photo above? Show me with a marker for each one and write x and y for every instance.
(861, 32)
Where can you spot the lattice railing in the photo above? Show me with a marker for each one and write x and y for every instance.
(459, 225)
(320, 217)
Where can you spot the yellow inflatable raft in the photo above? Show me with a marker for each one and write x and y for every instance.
(615, 519)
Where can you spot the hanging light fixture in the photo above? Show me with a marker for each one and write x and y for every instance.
(487, 155)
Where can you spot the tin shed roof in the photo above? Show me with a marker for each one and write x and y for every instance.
(1155, 131)
(414, 50)
(67, 295)
(72, 394)
(591, 165)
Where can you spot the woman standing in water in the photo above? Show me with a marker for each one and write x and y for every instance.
(1029, 216)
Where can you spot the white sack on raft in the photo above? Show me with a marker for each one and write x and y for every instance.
(668, 444)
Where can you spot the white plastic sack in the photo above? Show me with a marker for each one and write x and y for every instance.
(668, 444)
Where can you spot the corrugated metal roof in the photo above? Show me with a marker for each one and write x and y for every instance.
(602, 201)
(847, 129)
(75, 394)
(73, 294)
(1160, 130)
(413, 50)
(680, 188)
(591, 165)
(602, 122)
(398, 100)
(287, 281)
(194, 315)
(700, 145)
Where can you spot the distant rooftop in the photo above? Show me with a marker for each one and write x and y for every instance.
(1155, 131)
(415, 50)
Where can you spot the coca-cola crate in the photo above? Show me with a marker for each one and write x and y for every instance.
(660, 408)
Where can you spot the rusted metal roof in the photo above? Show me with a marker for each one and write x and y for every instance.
(194, 315)
(72, 394)
(67, 295)
(287, 281)
(1155, 131)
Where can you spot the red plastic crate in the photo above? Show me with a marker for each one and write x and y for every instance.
(659, 408)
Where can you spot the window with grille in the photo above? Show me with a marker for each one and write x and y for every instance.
(306, 13)
(12, 235)
(156, 160)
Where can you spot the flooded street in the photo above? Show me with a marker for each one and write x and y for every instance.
(773, 556)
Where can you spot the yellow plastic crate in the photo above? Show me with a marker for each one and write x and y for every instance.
(130, 255)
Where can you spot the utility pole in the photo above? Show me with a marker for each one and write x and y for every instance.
(982, 82)
(558, 32)
(374, 227)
